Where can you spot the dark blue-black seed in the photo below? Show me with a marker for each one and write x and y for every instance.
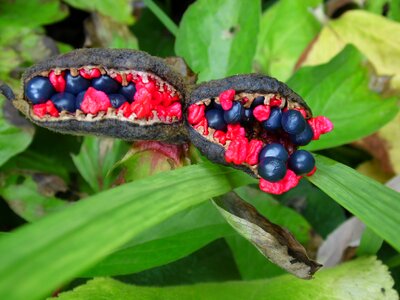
(274, 120)
(258, 101)
(39, 89)
(64, 101)
(106, 84)
(128, 91)
(215, 119)
(117, 100)
(293, 121)
(75, 84)
(272, 169)
(248, 115)
(274, 150)
(215, 105)
(301, 162)
(235, 114)
(79, 99)
(304, 137)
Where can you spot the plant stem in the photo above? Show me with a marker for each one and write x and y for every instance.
(162, 16)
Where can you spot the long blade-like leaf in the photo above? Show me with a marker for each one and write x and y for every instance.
(376, 205)
(43, 255)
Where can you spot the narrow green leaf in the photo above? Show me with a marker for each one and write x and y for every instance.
(370, 243)
(286, 30)
(364, 278)
(339, 90)
(216, 37)
(162, 16)
(373, 203)
(60, 246)
(170, 240)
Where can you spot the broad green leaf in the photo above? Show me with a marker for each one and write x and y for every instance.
(251, 263)
(375, 36)
(13, 140)
(25, 199)
(373, 203)
(339, 90)
(119, 10)
(32, 13)
(96, 159)
(172, 239)
(286, 30)
(390, 7)
(216, 37)
(64, 244)
(364, 278)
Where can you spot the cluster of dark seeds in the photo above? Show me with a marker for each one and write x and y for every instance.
(131, 95)
(261, 133)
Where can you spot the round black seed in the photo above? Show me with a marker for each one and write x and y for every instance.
(248, 116)
(274, 120)
(272, 169)
(304, 137)
(106, 84)
(215, 105)
(75, 84)
(274, 150)
(235, 114)
(39, 89)
(301, 162)
(79, 99)
(215, 119)
(117, 100)
(258, 101)
(64, 101)
(293, 122)
(128, 91)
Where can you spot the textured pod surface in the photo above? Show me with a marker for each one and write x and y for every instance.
(148, 106)
(270, 114)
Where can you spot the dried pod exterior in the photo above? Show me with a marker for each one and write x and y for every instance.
(126, 94)
(255, 123)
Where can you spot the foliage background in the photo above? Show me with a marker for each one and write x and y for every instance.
(63, 221)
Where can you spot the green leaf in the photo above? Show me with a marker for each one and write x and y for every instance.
(96, 159)
(66, 243)
(370, 243)
(251, 263)
(172, 239)
(32, 13)
(216, 37)
(13, 140)
(286, 30)
(373, 203)
(25, 199)
(119, 10)
(339, 90)
(330, 284)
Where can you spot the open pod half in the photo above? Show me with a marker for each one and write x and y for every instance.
(255, 123)
(126, 94)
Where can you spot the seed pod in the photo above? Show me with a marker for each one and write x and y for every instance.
(277, 114)
(147, 95)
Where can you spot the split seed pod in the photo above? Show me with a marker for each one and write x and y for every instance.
(256, 124)
(125, 94)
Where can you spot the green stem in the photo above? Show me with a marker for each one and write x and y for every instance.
(162, 16)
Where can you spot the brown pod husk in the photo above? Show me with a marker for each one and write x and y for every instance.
(109, 60)
(250, 85)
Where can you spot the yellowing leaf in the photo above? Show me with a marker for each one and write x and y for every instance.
(378, 38)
